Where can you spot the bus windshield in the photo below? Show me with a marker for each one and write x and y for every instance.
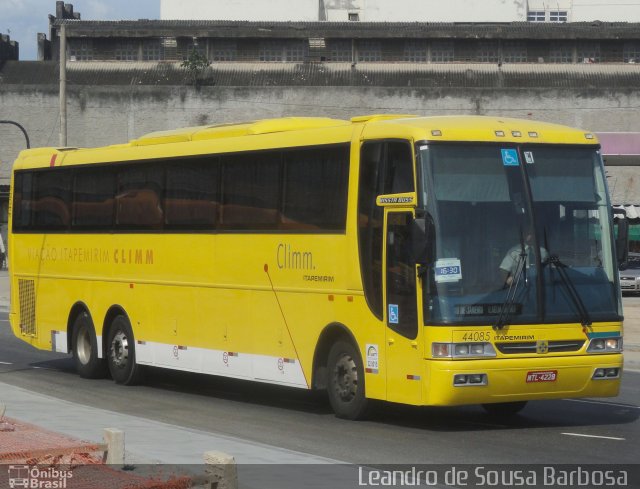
(522, 233)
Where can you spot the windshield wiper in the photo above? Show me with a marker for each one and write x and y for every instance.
(585, 319)
(554, 260)
(507, 309)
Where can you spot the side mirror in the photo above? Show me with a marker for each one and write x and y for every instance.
(422, 239)
(622, 242)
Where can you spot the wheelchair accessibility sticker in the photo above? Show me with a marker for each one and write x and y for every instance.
(393, 314)
(510, 157)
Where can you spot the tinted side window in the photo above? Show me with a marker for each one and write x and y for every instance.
(370, 222)
(192, 194)
(22, 199)
(51, 206)
(386, 167)
(139, 197)
(315, 190)
(250, 191)
(93, 198)
(399, 169)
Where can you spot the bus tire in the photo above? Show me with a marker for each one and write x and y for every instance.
(504, 409)
(121, 353)
(85, 349)
(345, 383)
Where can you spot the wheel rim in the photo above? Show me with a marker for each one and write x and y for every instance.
(83, 346)
(345, 376)
(119, 350)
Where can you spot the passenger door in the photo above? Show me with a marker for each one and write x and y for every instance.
(404, 362)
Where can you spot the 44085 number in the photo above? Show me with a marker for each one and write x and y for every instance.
(477, 336)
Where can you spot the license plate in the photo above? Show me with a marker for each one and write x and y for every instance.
(545, 376)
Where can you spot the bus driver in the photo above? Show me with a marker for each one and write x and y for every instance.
(510, 262)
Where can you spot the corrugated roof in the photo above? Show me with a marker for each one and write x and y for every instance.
(463, 30)
(436, 76)
(631, 211)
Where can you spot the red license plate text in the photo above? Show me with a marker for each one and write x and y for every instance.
(545, 376)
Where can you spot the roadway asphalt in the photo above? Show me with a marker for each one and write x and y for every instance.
(151, 441)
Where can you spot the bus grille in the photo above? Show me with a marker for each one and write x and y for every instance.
(530, 347)
(27, 297)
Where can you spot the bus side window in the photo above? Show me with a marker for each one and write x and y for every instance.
(251, 191)
(93, 198)
(315, 189)
(138, 200)
(192, 194)
(399, 168)
(22, 199)
(51, 207)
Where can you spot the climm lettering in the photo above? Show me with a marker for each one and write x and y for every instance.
(133, 256)
(289, 258)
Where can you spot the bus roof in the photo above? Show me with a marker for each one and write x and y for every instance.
(316, 130)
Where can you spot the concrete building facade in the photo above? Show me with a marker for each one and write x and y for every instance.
(348, 42)
(9, 50)
(404, 10)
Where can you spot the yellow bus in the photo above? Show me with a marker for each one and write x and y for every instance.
(418, 260)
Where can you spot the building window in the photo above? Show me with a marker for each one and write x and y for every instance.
(340, 51)
(561, 53)
(631, 52)
(369, 51)
(536, 16)
(126, 51)
(589, 52)
(415, 52)
(169, 47)
(296, 51)
(199, 47)
(225, 50)
(354, 17)
(442, 51)
(152, 50)
(488, 52)
(558, 16)
(280, 50)
(514, 52)
(271, 50)
(81, 50)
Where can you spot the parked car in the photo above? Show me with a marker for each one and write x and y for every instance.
(630, 276)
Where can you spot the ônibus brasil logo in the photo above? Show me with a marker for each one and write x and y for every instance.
(34, 477)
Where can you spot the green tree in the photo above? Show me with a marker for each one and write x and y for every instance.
(195, 64)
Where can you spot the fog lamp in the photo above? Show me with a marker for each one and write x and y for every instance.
(460, 379)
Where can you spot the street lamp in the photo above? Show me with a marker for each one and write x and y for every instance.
(26, 136)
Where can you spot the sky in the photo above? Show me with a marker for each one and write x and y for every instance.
(23, 19)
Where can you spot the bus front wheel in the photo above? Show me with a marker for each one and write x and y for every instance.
(121, 353)
(345, 384)
(85, 349)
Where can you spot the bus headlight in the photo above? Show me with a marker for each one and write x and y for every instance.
(462, 350)
(605, 345)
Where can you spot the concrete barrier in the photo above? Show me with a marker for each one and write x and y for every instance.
(114, 440)
(220, 470)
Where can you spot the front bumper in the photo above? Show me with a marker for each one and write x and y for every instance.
(507, 379)
(629, 285)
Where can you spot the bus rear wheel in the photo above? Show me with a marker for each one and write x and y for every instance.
(504, 409)
(345, 384)
(121, 353)
(85, 349)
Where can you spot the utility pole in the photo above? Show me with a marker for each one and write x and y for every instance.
(63, 85)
